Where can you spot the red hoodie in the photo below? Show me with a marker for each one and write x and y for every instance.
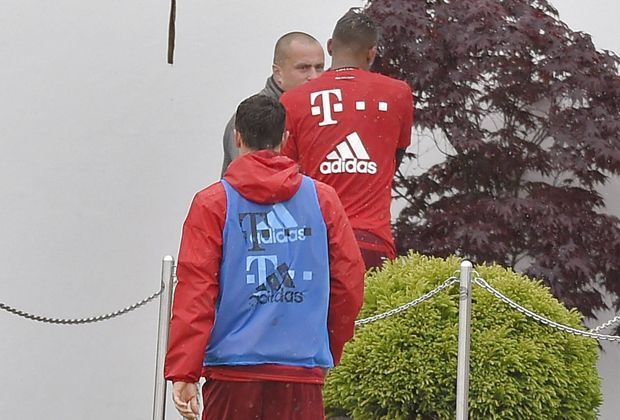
(262, 177)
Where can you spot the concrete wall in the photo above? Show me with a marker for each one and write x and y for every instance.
(103, 146)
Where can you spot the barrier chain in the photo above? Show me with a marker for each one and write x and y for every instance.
(480, 281)
(68, 321)
(608, 324)
(593, 333)
(449, 282)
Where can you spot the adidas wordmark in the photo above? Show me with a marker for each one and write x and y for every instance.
(349, 157)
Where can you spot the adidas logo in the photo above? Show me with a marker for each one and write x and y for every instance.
(349, 157)
(279, 226)
(275, 291)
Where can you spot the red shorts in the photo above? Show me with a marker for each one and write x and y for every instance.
(374, 250)
(373, 258)
(224, 400)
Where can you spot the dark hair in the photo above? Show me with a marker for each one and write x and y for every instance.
(355, 31)
(260, 122)
(280, 52)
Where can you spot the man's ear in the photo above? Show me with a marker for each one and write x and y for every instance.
(277, 74)
(330, 46)
(372, 53)
(237, 138)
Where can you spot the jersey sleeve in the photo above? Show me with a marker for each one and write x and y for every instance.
(406, 118)
(193, 310)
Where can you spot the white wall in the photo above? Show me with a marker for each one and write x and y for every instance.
(103, 146)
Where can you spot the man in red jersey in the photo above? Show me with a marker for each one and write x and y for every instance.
(349, 128)
(270, 283)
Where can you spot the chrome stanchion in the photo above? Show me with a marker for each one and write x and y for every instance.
(165, 308)
(462, 380)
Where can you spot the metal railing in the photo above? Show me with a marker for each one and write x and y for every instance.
(165, 308)
(466, 280)
(168, 276)
(464, 327)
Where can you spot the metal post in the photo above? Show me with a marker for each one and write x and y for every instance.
(462, 380)
(165, 300)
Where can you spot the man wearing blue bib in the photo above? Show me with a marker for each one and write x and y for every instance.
(270, 283)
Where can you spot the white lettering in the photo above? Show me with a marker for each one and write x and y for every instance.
(281, 236)
(350, 166)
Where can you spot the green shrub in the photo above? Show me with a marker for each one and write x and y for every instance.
(404, 367)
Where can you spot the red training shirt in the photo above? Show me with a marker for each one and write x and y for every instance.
(344, 129)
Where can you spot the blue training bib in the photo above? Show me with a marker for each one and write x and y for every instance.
(274, 283)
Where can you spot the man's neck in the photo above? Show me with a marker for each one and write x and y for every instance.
(244, 150)
(344, 62)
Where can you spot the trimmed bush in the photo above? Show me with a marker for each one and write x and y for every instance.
(404, 367)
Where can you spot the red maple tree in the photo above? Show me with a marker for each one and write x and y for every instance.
(532, 111)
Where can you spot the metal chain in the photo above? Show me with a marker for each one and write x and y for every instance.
(90, 320)
(449, 282)
(608, 324)
(480, 281)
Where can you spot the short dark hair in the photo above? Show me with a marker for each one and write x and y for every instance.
(355, 31)
(260, 122)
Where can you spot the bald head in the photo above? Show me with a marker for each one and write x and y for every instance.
(283, 44)
(297, 58)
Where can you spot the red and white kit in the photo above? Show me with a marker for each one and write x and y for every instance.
(345, 128)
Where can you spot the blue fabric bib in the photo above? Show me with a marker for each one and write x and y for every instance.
(274, 283)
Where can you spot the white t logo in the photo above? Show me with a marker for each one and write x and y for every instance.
(325, 107)
(262, 267)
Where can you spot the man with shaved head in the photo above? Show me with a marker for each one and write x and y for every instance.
(349, 128)
(297, 58)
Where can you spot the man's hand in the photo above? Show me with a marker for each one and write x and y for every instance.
(185, 399)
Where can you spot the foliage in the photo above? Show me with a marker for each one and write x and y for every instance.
(532, 111)
(404, 367)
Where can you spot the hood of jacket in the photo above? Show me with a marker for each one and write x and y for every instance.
(271, 89)
(264, 176)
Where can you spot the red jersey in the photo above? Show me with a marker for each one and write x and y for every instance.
(344, 129)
